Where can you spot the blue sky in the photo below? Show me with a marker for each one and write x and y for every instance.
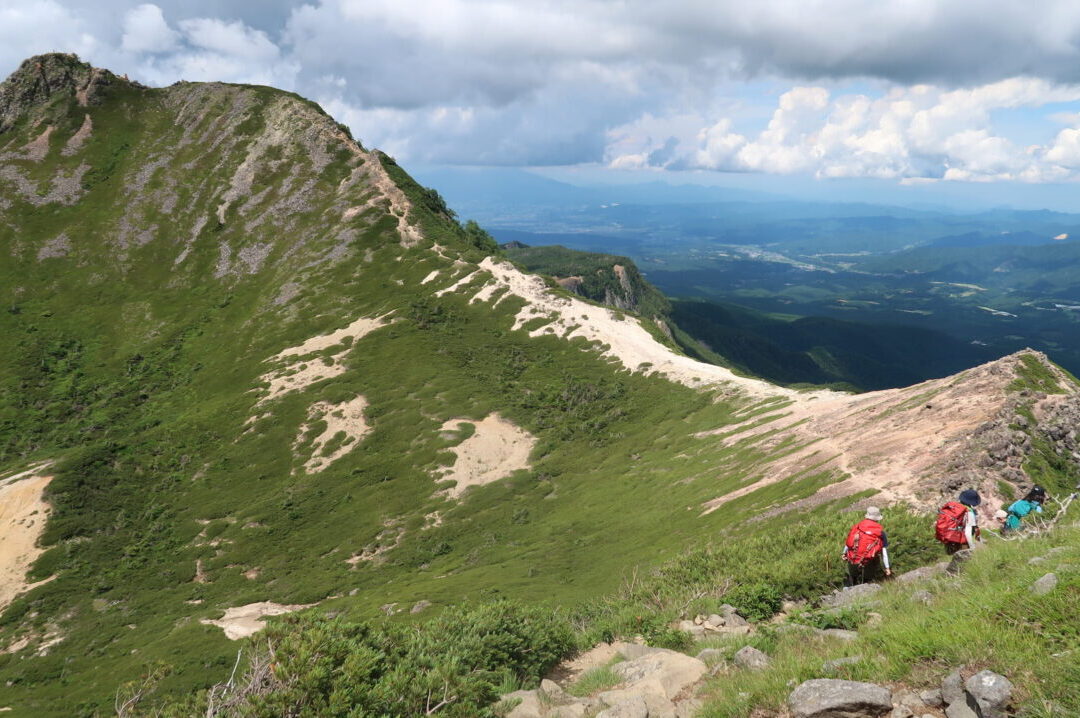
(913, 94)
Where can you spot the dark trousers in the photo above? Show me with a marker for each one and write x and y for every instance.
(870, 571)
(951, 548)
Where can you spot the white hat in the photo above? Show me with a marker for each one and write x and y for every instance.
(873, 513)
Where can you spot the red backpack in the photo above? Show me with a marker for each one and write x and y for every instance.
(950, 523)
(863, 542)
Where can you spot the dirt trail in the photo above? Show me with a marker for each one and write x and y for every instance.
(23, 512)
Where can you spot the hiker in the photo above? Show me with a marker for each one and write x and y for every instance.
(866, 549)
(1032, 502)
(958, 524)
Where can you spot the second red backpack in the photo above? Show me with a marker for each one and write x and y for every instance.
(864, 542)
(950, 523)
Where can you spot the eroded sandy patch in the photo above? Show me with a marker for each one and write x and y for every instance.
(23, 513)
(297, 373)
(620, 336)
(496, 449)
(347, 417)
(243, 621)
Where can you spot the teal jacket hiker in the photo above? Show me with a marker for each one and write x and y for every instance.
(1019, 510)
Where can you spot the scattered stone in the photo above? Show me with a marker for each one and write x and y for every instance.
(666, 673)
(629, 708)
(838, 663)
(961, 709)
(420, 606)
(952, 689)
(734, 620)
(1036, 559)
(956, 565)
(529, 707)
(553, 694)
(716, 619)
(735, 630)
(710, 655)
(908, 700)
(922, 573)
(852, 595)
(901, 711)
(1045, 585)
(573, 710)
(792, 606)
(751, 658)
(992, 692)
(922, 596)
(932, 698)
(692, 628)
(873, 620)
(831, 698)
(839, 634)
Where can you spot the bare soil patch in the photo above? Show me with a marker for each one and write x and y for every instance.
(23, 513)
(496, 449)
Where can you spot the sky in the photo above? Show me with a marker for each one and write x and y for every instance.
(888, 93)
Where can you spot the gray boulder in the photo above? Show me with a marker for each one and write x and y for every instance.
(665, 673)
(992, 692)
(752, 658)
(901, 711)
(922, 573)
(420, 606)
(830, 698)
(851, 596)
(959, 558)
(840, 634)
(962, 709)
(838, 663)
(1045, 585)
(952, 689)
(932, 698)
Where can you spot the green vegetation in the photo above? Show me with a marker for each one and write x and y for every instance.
(457, 665)
(594, 680)
(988, 618)
(1035, 376)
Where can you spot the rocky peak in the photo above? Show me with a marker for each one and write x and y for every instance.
(41, 78)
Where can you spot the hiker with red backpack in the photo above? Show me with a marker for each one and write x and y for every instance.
(957, 523)
(866, 549)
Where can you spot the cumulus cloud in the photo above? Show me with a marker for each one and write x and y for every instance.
(631, 83)
(916, 132)
(145, 30)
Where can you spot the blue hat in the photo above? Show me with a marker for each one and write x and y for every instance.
(970, 497)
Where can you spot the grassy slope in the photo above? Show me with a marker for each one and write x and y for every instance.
(986, 618)
(136, 373)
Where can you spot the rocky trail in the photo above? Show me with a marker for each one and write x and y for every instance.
(634, 680)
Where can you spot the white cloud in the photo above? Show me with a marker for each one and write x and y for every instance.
(145, 30)
(907, 133)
